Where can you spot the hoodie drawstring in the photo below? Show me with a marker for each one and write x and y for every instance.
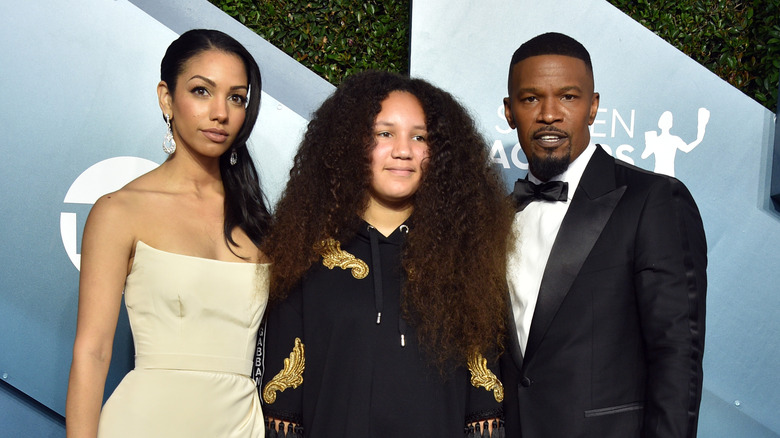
(376, 268)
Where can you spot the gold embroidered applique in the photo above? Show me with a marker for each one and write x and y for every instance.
(333, 255)
(481, 376)
(291, 376)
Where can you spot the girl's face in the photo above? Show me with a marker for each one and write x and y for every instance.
(208, 105)
(401, 151)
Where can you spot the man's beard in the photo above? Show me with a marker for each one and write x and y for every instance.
(546, 167)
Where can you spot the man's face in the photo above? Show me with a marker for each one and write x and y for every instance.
(551, 103)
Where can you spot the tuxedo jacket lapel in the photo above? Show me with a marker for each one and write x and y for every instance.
(590, 209)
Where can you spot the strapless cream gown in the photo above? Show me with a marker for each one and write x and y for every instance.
(194, 324)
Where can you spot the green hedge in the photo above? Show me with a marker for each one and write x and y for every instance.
(333, 38)
(739, 40)
(736, 39)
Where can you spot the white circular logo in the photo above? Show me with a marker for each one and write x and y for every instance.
(104, 177)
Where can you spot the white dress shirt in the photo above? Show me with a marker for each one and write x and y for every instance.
(535, 229)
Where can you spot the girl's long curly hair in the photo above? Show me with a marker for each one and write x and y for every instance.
(454, 255)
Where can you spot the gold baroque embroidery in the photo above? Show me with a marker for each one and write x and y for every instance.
(333, 255)
(482, 376)
(291, 376)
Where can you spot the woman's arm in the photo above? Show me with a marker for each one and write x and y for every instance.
(105, 252)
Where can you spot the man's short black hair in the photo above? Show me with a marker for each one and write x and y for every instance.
(551, 43)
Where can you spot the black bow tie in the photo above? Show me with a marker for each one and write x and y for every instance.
(526, 191)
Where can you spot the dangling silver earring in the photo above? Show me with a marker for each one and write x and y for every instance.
(233, 157)
(169, 145)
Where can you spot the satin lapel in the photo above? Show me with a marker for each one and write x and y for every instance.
(591, 208)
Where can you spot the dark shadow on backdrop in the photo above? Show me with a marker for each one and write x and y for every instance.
(775, 188)
(31, 403)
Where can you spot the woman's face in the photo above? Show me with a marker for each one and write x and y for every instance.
(401, 151)
(208, 105)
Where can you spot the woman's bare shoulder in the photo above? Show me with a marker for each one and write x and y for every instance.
(128, 205)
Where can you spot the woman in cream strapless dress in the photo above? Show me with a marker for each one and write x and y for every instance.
(182, 243)
(194, 325)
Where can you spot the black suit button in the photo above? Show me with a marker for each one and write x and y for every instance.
(526, 382)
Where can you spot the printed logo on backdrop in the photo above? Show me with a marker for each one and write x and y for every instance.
(665, 145)
(661, 144)
(103, 177)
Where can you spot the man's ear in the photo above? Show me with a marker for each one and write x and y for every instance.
(594, 108)
(508, 114)
(165, 98)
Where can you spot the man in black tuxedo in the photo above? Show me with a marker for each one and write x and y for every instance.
(607, 281)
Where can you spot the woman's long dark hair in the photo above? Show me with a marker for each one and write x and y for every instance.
(245, 205)
(455, 254)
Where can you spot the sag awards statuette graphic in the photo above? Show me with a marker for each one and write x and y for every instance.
(103, 177)
(665, 144)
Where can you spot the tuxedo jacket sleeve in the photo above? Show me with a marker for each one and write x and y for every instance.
(616, 341)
